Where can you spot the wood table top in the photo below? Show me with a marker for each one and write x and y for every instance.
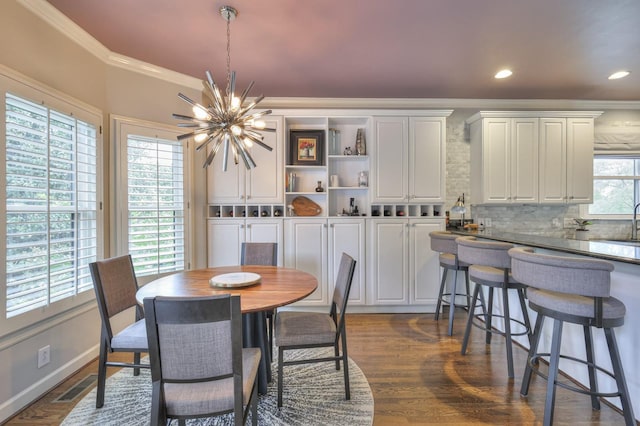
(278, 287)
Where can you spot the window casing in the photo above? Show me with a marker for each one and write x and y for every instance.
(153, 207)
(50, 190)
(616, 184)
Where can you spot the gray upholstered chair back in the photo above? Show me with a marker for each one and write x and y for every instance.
(193, 337)
(259, 254)
(444, 242)
(585, 277)
(485, 253)
(115, 284)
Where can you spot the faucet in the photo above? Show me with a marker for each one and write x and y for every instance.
(634, 223)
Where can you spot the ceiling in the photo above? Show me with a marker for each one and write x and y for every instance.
(557, 49)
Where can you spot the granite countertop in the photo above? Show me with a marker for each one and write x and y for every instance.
(608, 250)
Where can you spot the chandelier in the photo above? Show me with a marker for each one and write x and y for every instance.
(226, 121)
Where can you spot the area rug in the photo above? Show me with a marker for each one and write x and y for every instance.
(313, 395)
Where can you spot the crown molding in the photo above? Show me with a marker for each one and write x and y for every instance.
(45, 11)
(62, 23)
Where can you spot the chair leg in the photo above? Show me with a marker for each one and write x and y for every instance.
(466, 282)
(442, 285)
(102, 373)
(554, 360)
(488, 316)
(336, 354)
(528, 370)
(593, 383)
(467, 330)
(254, 404)
(345, 366)
(452, 303)
(280, 375)
(618, 372)
(525, 315)
(136, 360)
(507, 330)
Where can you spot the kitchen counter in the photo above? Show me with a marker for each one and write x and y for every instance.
(598, 249)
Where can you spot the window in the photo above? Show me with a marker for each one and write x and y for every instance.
(50, 185)
(154, 211)
(616, 186)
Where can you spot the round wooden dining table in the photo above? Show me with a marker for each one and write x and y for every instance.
(278, 287)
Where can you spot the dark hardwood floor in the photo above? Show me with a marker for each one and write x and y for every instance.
(418, 376)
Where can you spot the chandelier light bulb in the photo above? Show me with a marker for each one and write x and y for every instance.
(200, 113)
(200, 137)
(248, 142)
(235, 103)
(258, 124)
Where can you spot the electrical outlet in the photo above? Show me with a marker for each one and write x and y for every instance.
(44, 356)
(568, 222)
(487, 222)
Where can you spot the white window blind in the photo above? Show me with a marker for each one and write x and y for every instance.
(51, 208)
(155, 204)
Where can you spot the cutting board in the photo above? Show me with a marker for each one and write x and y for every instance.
(303, 206)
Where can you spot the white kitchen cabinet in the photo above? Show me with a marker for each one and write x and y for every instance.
(225, 238)
(306, 249)
(263, 184)
(347, 235)
(403, 269)
(542, 157)
(424, 263)
(409, 159)
(566, 160)
(504, 160)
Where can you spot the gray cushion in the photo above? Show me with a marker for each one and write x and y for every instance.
(488, 273)
(304, 328)
(576, 305)
(487, 253)
(449, 260)
(443, 242)
(132, 337)
(202, 398)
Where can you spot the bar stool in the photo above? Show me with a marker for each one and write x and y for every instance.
(490, 267)
(445, 244)
(576, 291)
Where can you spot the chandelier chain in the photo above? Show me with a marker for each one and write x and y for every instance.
(228, 54)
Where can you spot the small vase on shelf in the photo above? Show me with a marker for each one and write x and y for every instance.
(319, 188)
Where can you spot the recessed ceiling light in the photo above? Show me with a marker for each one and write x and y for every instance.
(503, 73)
(619, 74)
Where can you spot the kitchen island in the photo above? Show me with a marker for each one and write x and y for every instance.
(625, 285)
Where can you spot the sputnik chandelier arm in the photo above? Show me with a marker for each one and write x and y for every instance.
(226, 123)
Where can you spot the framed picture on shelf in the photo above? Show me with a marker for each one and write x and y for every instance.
(306, 147)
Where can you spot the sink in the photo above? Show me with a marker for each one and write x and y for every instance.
(634, 243)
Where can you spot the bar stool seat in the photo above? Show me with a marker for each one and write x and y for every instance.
(445, 244)
(490, 267)
(573, 290)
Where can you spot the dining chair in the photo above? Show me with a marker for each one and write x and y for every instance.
(301, 330)
(115, 284)
(262, 254)
(575, 291)
(198, 365)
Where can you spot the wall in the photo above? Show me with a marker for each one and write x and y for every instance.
(35, 49)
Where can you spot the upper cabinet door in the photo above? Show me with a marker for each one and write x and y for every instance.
(496, 160)
(427, 159)
(389, 173)
(262, 184)
(524, 160)
(265, 184)
(553, 160)
(580, 160)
